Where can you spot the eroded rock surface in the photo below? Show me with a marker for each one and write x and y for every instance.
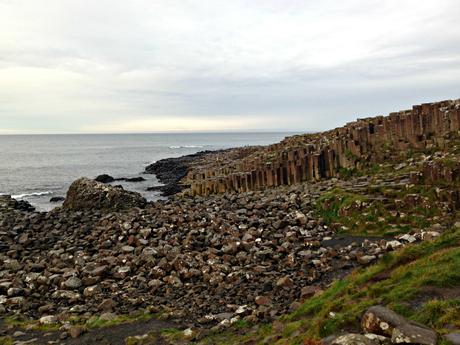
(87, 194)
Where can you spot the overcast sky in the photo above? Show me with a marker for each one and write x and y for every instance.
(146, 65)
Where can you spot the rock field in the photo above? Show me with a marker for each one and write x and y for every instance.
(202, 260)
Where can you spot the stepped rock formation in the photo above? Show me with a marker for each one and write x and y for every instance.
(312, 157)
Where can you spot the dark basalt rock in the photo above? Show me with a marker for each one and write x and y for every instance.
(166, 190)
(104, 178)
(20, 205)
(57, 199)
(171, 171)
(132, 179)
(87, 194)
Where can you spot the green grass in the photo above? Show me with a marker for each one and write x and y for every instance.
(97, 322)
(91, 323)
(360, 214)
(24, 323)
(6, 341)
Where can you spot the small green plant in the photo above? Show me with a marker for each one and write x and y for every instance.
(98, 322)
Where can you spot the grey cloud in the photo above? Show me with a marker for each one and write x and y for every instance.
(73, 65)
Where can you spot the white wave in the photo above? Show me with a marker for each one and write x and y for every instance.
(186, 147)
(21, 196)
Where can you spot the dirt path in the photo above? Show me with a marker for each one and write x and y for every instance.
(113, 335)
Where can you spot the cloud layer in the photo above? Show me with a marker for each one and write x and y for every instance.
(143, 65)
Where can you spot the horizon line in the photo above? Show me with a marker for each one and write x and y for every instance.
(160, 132)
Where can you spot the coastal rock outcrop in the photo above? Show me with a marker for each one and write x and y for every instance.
(104, 178)
(8, 201)
(87, 194)
(312, 157)
(57, 199)
(132, 179)
(171, 171)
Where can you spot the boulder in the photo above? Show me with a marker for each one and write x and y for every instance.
(134, 179)
(87, 194)
(104, 178)
(21, 205)
(383, 321)
(57, 199)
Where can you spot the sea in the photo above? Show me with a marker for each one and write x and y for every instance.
(36, 168)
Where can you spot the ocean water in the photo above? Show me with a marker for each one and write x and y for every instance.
(38, 167)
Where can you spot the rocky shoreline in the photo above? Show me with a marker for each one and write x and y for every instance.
(171, 171)
(204, 261)
(230, 258)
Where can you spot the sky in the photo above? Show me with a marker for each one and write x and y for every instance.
(85, 66)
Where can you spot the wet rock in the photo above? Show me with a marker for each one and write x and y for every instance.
(55, 199)
(104, 178)
(134, 179)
